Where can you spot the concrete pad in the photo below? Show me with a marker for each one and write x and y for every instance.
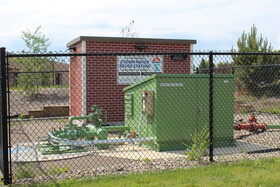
(138, 153)
(28, 152)
(241, 147)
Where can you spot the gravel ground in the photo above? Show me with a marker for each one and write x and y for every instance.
(270, 137)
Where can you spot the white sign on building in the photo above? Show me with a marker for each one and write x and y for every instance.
(131, 69)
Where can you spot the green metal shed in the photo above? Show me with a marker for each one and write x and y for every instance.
(172, 107)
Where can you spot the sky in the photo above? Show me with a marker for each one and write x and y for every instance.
(215, 24)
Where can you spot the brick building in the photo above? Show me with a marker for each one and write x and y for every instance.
(99, 80)
(57, 71)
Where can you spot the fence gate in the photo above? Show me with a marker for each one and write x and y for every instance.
(4, 149)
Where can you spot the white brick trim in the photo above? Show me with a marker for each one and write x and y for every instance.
(84, 80)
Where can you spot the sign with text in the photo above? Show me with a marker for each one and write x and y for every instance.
(131, 69)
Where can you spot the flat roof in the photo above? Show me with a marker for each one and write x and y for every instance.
(177, 77)
(132, 40)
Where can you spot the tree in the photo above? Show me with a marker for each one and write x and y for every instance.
(36, 43)
(252, 76)
(203, 67)
(224, 68)
(128, 30)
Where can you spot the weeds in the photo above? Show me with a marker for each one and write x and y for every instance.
(246, 98)
(245, 111)
(62, 120)
(56, 170)
(21, 117)
(199, 145)
(270, 110)
(24, 171)
(144, 159)
(27, 171)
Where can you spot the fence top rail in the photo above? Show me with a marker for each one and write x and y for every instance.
(247, 66)
(10, 55)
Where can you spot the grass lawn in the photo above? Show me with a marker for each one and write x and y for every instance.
(263, 172)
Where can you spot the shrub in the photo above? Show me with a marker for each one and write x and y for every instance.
(199, 145)
(56, 170)
(24, 171)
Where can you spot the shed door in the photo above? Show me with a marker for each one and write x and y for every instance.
(177, 109)
(202, 105)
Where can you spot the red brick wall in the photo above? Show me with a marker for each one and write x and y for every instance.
(76, 84)
(102, 88)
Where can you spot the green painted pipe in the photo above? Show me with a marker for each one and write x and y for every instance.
(108, 128)
(273, 126)
(116, 128)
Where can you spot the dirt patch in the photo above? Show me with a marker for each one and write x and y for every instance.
(255, 105)
(20, 104)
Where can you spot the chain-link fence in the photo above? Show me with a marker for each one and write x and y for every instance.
(82, 115)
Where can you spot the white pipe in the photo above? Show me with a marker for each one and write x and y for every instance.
(61, 141)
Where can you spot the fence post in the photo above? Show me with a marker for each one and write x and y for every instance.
(4, 129)
(211, 109)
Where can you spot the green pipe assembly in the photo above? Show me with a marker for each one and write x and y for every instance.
(91, 134)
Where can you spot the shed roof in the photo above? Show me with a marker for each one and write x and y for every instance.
(177, 76)
(132, 40)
